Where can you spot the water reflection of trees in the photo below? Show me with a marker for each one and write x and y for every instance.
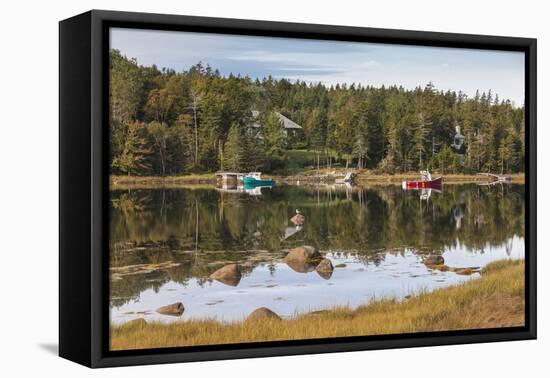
(199, 228)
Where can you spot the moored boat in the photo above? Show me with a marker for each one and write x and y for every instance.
(255, 179)
(425, 183)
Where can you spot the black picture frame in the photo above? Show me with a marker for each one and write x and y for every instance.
(83, 182)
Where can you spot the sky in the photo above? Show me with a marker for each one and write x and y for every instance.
(330, 62)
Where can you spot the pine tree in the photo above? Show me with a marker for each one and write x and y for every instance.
(159, 135)
(508, 153)
(181, 143)
(361, 148)
(344, 134)
(394, 150)
(420, 137)
(447, 159)
(126, 88)
(316, 126)
(234, 158)
(371, 115)
(274, 141)
(134, 152)
(159, 104)
(255, 157)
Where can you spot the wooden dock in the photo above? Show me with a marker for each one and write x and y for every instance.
(225, 177)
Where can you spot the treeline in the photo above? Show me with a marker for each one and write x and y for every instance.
(165, 122)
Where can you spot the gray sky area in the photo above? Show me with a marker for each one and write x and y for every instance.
(330, 62)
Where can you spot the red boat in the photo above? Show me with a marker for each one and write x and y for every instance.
(425, 183)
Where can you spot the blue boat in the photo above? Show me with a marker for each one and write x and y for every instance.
(255, 179)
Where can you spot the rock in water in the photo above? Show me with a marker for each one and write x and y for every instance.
(433, 260)
(175, 309)
(325, 266)
(298, 219)
(325, 274)
(301, 266)
(262, 313)
(229, 275)
(303, 253)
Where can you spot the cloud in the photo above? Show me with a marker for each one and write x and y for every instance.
(330, 62)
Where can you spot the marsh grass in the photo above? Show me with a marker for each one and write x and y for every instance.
(448, 178)
(494, 300)
(195, 180)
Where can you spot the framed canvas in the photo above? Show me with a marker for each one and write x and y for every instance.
(236, 188)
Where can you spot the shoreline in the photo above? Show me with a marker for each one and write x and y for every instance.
(207, 180)
(497, 298)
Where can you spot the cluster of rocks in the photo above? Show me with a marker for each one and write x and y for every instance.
(437, 262)
(432, 260)
(306, 259)
(174, 309)
(302, 259)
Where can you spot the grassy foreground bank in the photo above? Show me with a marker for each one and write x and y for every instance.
(494, 300)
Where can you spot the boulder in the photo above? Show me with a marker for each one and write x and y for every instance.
(433, 260)
(228, 275)
(324, 274)
(298, 219)
(303, 253)
(301, 266)
(174, 309)
(325, 266)
(262, 313)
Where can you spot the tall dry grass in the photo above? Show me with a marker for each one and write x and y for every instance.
(494, 300)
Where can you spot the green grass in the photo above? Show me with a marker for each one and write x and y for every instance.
(495, 300)
(299, 159)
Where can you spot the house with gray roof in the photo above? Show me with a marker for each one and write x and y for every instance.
(287, 124)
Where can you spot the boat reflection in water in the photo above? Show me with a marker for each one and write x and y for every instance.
(255, 190)
(250, 189)
(425, 194)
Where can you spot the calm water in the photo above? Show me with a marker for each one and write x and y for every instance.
(166, 242)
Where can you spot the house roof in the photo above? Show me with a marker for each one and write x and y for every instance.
(286, 122)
